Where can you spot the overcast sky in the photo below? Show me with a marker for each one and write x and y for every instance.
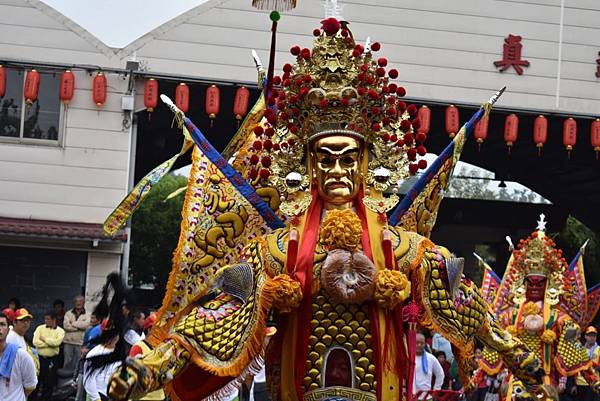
(119, 22)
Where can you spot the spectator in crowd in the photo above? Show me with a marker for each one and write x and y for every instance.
(426, 367)
(94, 330)
(10, 315)
(583, 390)
(95, 381)
(47, 338)
(17, 371)
(141, 348)
(21, 325)
(125, 310)
(76, 323)
(14, 304)
(567, 389)
(258, 390)
(439, 343)
(480, 380)
(91, 333)
(135, 333)
(455, 383)
(441, 357)
(59, 308)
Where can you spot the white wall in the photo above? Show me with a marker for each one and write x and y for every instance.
(100, 265)
(444, 50)
(82, 178)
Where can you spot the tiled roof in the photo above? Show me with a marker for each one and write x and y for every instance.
(57, 229)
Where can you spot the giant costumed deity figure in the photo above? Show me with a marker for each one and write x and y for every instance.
(345, 286)
(544, 302)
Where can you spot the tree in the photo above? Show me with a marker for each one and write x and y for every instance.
(571, 238)
(155, 233)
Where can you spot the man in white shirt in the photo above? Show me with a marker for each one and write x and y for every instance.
(16, 336)
(426, 367)
(21, 326)
(17, 371)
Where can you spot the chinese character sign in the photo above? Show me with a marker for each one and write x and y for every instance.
(511, 55)
(598, 66)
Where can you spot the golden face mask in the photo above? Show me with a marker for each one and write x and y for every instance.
(336, 161)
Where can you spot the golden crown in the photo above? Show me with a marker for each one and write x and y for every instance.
(538, 255)
(338, 87)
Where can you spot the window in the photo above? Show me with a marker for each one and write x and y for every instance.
(39, 122)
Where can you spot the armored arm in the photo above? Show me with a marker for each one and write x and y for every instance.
(219, 339)
(455, 308)
(571, 357)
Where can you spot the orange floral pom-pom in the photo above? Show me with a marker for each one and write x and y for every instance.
(548, 336)
(285, 292)
(531, 308)
(391, 288)
(341, 229)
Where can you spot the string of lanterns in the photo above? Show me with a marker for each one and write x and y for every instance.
(242, 99)
(151, 93)
(511, 131)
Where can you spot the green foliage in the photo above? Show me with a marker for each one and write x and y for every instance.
(571, 238)
(155, 233)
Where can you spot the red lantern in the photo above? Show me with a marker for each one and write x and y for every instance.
(151, 94)
(595, 136)
(212, 102)
(240, 102)
(2, 81)
(99, 89)
(452, 120)
(481, 130)
(569, 134)
(540, 132)
(182, 97)
(511, 130)
(32, 86)
(424, 116)
(67, 86)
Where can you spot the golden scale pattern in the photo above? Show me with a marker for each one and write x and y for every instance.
(491, 356)
(222, 338)
(534, 343)
(571, 352)
(342, 325)
(469, 318)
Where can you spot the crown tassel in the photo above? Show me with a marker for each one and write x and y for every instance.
(277, 5)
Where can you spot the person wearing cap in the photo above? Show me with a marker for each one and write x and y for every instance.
(141, 348)
(17, 371)
(21, 325)
(584, 391)
(47, 338)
